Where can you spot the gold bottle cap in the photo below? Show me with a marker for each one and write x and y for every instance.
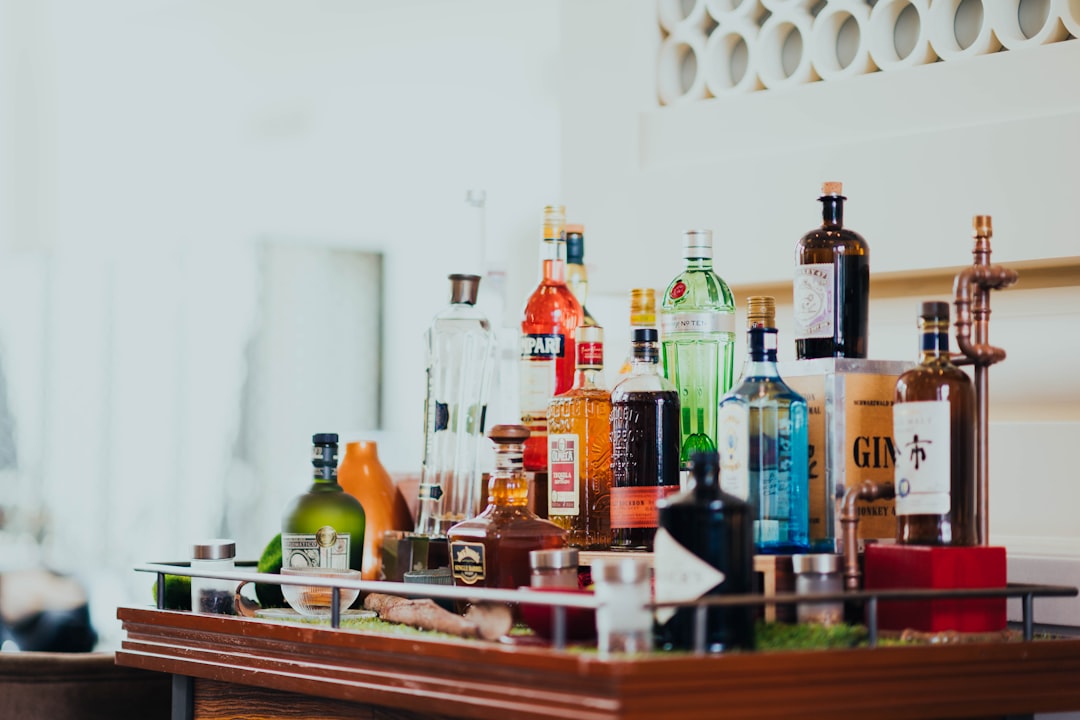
(982, 225)
(642, 307)
(832, 188)
(554, 222)
(761, 311)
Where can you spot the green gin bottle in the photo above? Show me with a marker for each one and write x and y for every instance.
(324, 527)
(697, 323)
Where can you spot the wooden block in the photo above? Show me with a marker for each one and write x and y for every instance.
(908, 566)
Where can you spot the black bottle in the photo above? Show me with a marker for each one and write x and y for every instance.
(704, 546)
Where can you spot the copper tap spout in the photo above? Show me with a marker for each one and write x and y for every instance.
(849, 525)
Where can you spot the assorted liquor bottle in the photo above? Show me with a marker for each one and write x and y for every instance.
(676, 458)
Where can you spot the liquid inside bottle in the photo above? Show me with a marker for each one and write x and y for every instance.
(832, 285)
(461, 350)
(644, 446)
(697, 321)
(764, 442)
(492, 549)
(934, 431)
(579, 450)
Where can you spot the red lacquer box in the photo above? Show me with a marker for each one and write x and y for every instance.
(890, 567)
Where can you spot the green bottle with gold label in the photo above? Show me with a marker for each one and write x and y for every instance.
(324, 527)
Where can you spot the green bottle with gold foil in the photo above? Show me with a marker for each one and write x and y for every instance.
(324, 527)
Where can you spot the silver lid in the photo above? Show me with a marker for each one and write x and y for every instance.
(553, 559)
(822, 564)
(217, 549)
(620, 570)
(697, 244)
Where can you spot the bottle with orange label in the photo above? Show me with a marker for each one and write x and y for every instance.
(644, 446)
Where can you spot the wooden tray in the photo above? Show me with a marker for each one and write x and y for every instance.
(333, 670)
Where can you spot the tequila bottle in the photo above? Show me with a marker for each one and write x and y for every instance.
(579, 449)
(933, 423)
(461, 350)
(832, 285)
(764, 442)
(552, 315)
(697, 319)
(644, 446)
(324, 527)
(492, 549)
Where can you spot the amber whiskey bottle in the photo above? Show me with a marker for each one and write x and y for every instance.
(832, 285)
(492, 549)
(934, 431)
(579, 449)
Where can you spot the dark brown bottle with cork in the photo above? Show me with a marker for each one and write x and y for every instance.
(832, 285)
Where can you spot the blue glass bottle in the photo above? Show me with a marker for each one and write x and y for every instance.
(764, 443)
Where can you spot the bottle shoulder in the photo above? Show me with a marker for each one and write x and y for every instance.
(838, 240)
(752, 390)
(924, 381)
(641, 383)
(553, 303)
(697, 290)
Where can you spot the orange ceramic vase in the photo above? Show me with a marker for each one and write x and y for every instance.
(363, 476)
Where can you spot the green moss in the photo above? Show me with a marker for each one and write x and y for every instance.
(270, 562)
(780, 636)
(177, 592)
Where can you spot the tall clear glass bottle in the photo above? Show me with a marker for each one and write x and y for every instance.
(934, 431)
(697, 322)
(552, 315)
(492, 549)
(642, 315)
(832, 285)
(577, 277)
(705, 546)
(644, 446)
(579, 449)
(324, 527)
(764, 441)
(461, 349)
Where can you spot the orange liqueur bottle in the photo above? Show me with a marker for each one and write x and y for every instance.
(492, 549)
(934, 430)
(579, 449)
(552, 315)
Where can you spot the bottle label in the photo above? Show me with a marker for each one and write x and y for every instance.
(680, 575)
(733, 444)
(467, 561)
(563, 474)
(538, 345)
(590, 354)
(699, 322)
(635, 507)
(814, 300)
(538, 377)
(325, 548)
(923, 457)
(430, 491)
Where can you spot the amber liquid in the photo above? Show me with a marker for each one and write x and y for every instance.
(849, 254)
(586, 412)
(936, 378)
(645, 460)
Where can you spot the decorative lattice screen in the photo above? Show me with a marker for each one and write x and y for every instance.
(713, 48)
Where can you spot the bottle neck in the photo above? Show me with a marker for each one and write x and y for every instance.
(832, 211)
(554, 255)
(589, 378)
(934, 342)
(699, 263)
(645, 358)
(508, 486)
(325, 461)
(761, 343)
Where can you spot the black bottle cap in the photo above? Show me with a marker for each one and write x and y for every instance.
(935, 311)
(575, 244)
(644, 335)
(704, 464)
(324, 439)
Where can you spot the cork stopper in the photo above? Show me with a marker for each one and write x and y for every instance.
(832, 188)
(463, 288)
(576, 229)
(982, 225)
(761, 311)
(642, 307)
(509, 434)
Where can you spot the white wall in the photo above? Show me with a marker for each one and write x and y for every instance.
(150, 145)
